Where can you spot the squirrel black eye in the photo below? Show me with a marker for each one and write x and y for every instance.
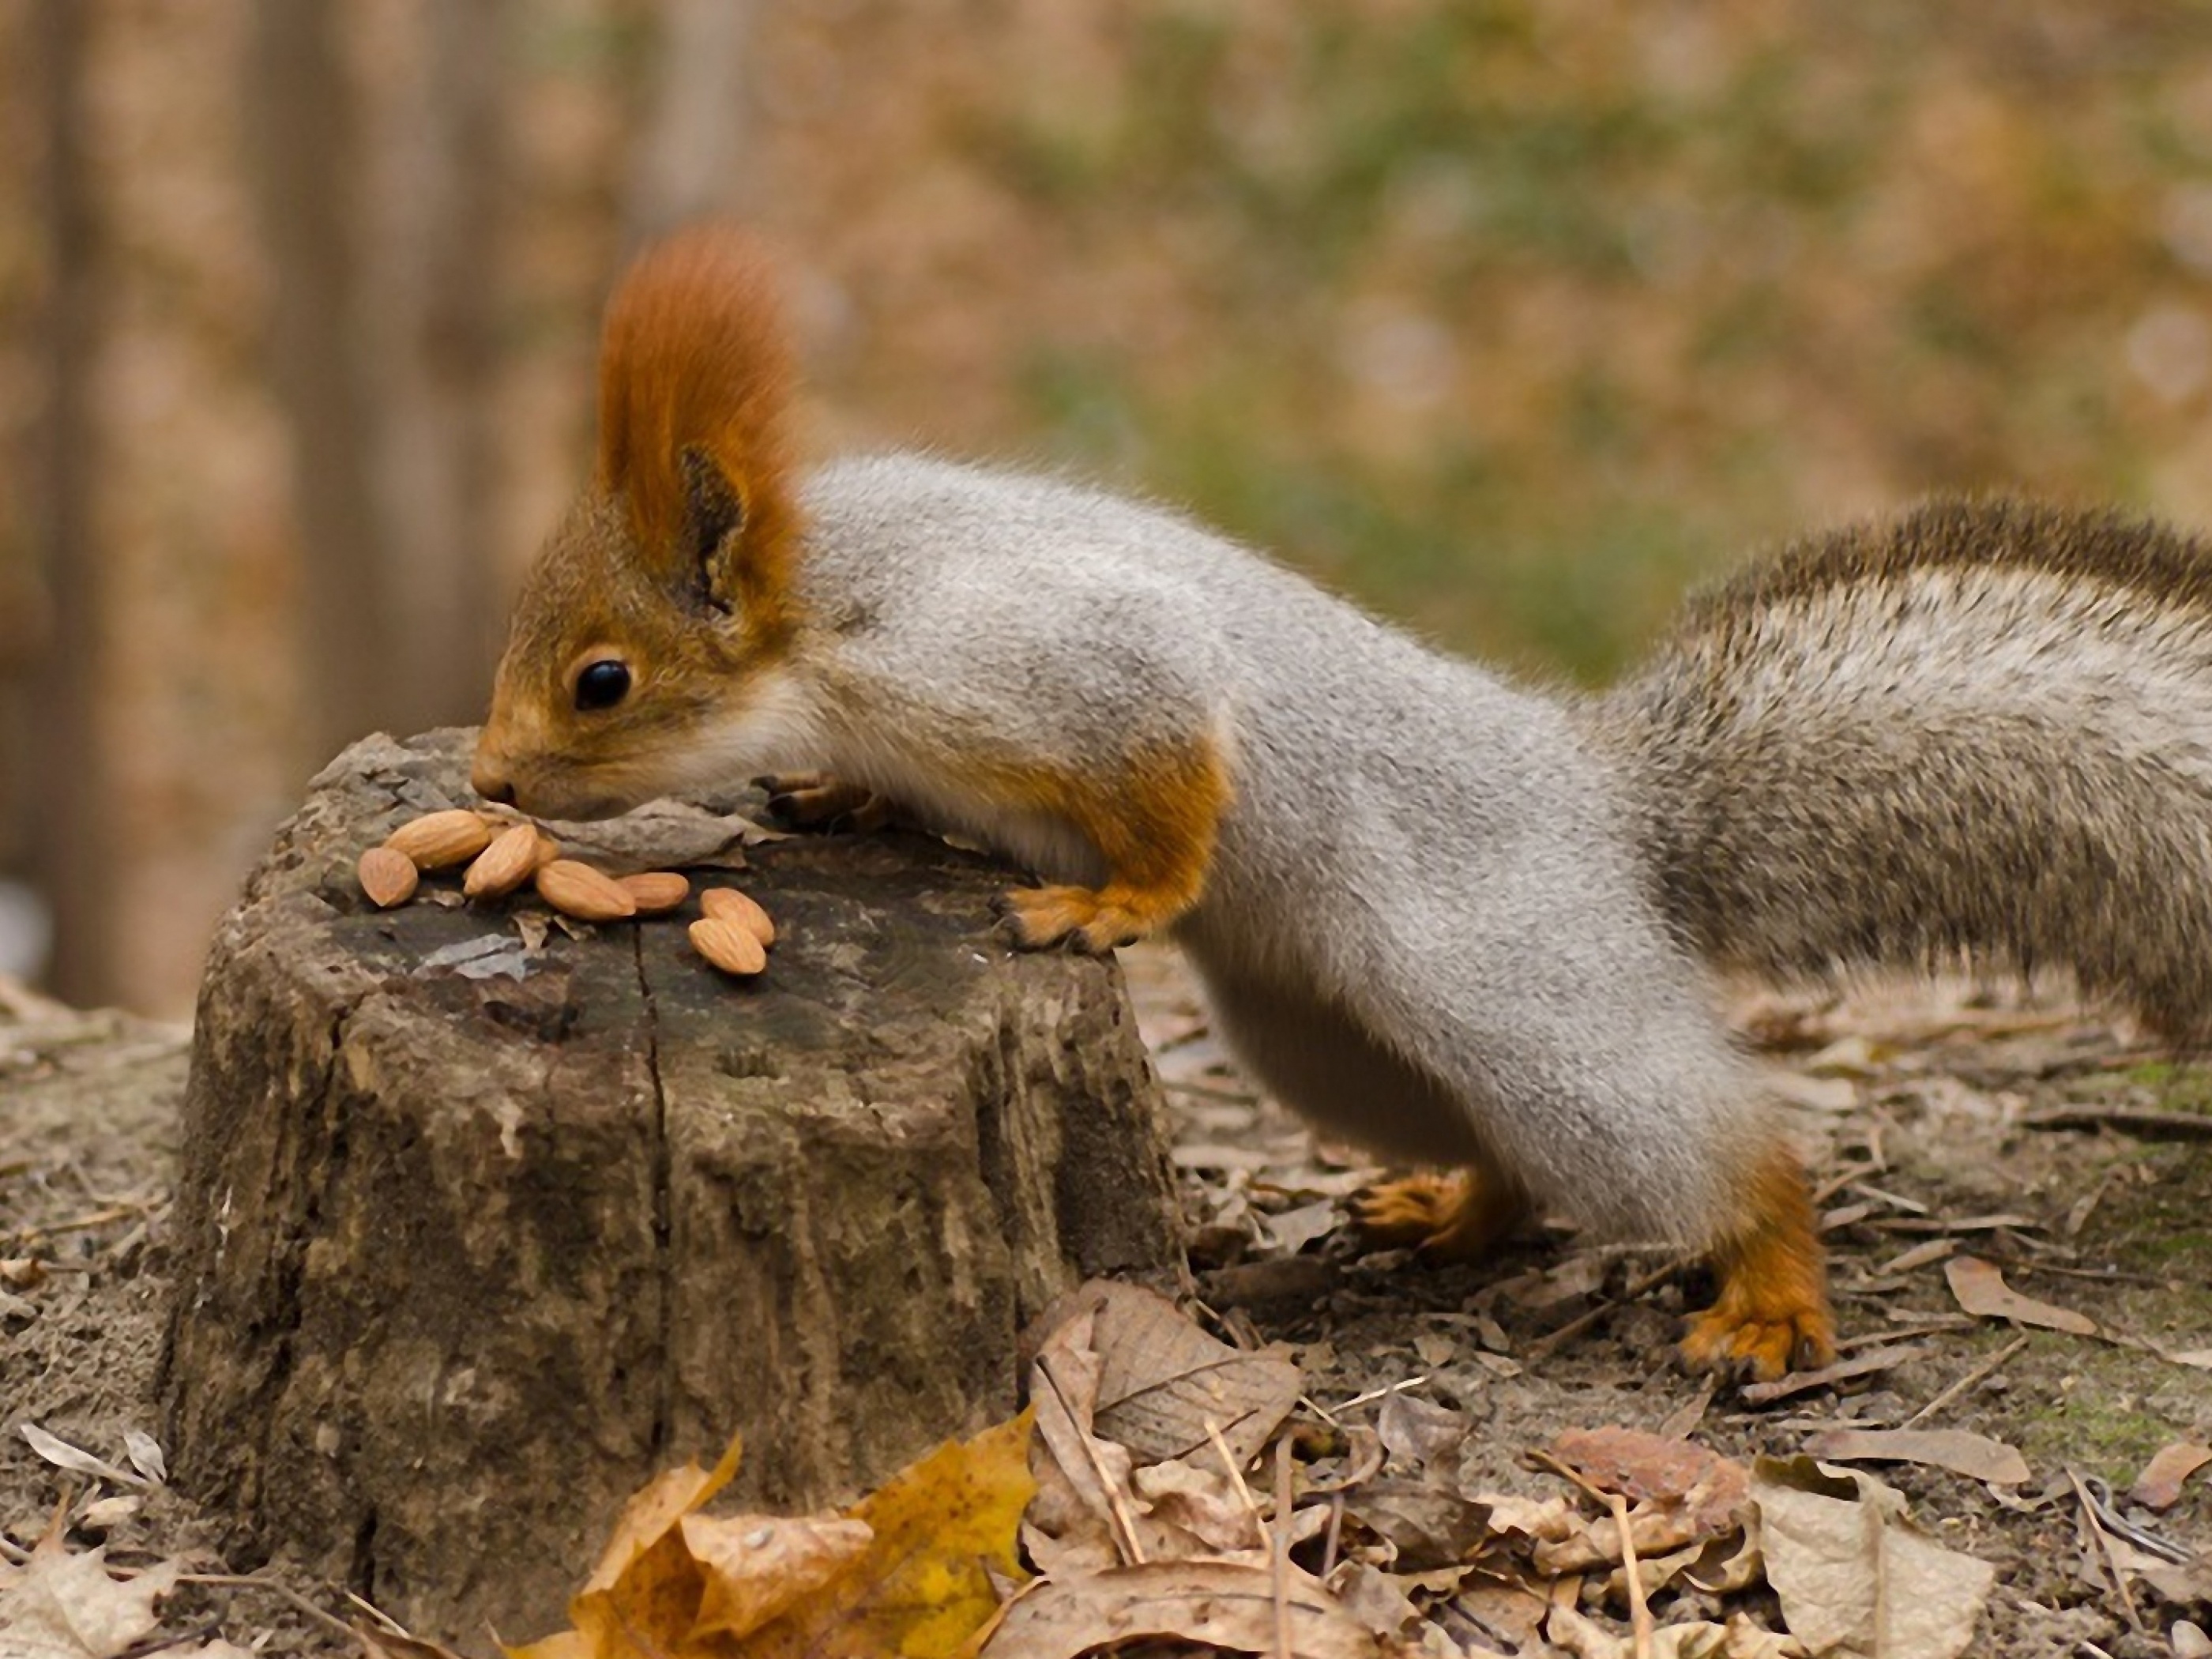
(602, 686)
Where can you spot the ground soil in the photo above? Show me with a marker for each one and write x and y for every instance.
(1915, 1106)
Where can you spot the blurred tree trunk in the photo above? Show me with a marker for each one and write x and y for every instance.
(689, 154)
(438, 265)
(69, 776)
(301, 126)
(384, 349)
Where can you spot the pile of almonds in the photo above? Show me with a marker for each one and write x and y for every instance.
(502, 854)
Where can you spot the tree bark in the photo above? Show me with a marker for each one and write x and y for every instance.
(463, 1260)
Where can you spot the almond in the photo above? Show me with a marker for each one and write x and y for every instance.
(577, 889)
(505, 865)
(729, 946)
(387, 876)
(440, 840)
(728, 905)
(656, 892)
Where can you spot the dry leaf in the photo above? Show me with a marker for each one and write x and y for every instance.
(1974, 1456)
(1737, 1639)
(77, 1461)
(1218, 1604)
(756, 1567)
(645, 1587)
(922, 1589)
(1421, 1434)
(58, 1605)
(666, 835)
(1981, 1291)
(2159, 1486)
(1425, 1525)
(1653, 1468)
(1851, 1574)
(145, 1453)
(1163, 1381)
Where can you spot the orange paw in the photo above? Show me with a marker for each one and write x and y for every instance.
(815, 800)
(1078, 917)
(1759, 1343)
(1450, 1217)
(1772, 1315)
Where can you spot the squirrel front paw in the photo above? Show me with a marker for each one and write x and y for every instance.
(1459, 1216)
(1094, 921)
(815, 800)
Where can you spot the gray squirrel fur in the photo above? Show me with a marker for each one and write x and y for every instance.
(1464, 923)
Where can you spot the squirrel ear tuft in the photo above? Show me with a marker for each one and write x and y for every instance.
(695, 378)
(715, 523)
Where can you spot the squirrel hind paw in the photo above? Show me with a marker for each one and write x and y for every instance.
(815, 800)
(1038, 918)
(1758, 1345)
(1457, 1216)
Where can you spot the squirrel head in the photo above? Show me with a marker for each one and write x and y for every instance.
(662, 606)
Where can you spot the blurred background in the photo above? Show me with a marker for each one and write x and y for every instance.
(1512, 319)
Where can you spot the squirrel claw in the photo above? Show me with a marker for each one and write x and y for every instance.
(1037, 918)
(815, 800)
(1757, 1349)
(1457, 1216)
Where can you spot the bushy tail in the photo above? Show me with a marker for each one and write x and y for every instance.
(1982, 732)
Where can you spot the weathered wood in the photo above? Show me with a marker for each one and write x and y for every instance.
(463, 1260)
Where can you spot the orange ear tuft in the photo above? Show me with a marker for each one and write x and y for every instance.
(694, 358)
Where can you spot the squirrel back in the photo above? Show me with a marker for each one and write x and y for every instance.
(1978, 733)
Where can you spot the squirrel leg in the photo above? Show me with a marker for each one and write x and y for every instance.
(1772, 1315)
(815, 800)
(1461, 1216)
(1154, 829)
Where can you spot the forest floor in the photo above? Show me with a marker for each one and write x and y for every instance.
(1929, 1117)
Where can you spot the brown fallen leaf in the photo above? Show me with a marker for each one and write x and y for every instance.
(1652, 1468)
(1852, 1573)
(1981, 1290)
(1974, 1456)
(1218, 1604)
(61, 1604)
(1739, 1638)
(1425, 1525)
(2159, 1486)
(1166, 1388)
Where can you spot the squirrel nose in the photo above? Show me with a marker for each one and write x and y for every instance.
(489, 781)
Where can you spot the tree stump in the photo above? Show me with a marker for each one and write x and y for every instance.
(463, 1260)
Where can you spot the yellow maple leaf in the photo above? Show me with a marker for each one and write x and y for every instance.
(645, 1591)
(922, 1591)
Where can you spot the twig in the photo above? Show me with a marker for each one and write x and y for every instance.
(247, 1581)
(1124, 1524)
(1968, 1381)
(1386, 1390)
(1639, 1609)
(1279, 1561)
(2142, 1122)
(78, 1225)
(1543, 1346)
(1236, 1480)
(2104, 1549)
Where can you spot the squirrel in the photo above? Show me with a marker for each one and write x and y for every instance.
(1458, 921)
